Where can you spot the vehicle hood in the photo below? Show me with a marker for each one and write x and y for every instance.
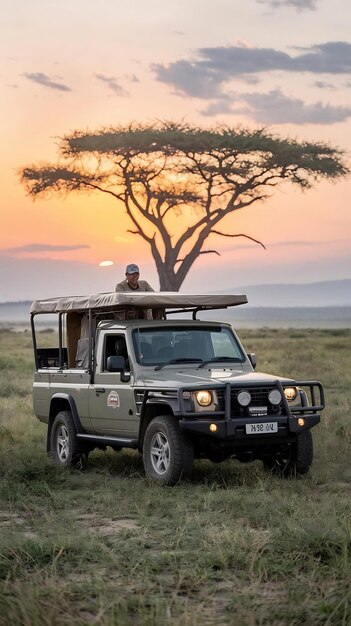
(171, 378)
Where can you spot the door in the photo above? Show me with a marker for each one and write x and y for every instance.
(112, 405)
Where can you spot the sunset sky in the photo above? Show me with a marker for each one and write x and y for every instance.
(282, 64)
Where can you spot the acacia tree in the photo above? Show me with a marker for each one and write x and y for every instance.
(168, 170)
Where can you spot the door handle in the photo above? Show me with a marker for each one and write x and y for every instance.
(101, 390)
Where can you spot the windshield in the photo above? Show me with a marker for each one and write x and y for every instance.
(157, 346)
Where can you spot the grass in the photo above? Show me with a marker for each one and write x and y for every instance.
(232, 545)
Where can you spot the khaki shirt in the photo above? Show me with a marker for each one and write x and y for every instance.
(142, 286)
(132, 312)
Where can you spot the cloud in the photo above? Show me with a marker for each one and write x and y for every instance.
(133, 78)
(221, 107)
(191, 78)
(208, 75)
(322, 84)
(276, 108)
(42, 247)
(333, 57)
(299, 5)
(112, 84)
(45, 81)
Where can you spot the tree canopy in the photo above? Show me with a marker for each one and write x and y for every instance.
(162, 171)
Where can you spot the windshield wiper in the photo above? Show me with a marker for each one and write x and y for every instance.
(232, 359)
(159, 367)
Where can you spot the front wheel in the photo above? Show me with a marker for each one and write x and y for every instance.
(294, 460)
(167, 454)
(64, 446)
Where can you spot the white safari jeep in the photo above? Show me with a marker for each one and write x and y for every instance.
(174, 387)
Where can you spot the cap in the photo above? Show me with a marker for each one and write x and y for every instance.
(132, 269)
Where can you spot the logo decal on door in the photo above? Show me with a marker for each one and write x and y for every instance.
(113, 400)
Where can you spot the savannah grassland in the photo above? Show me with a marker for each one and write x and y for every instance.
(232, 545)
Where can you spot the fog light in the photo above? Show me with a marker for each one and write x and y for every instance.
(301, 421)
(244, 398)
(213, 428)
(275, 396)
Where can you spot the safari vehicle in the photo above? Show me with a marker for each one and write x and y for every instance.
(175, 388)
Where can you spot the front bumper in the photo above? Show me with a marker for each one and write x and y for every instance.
(234, 430)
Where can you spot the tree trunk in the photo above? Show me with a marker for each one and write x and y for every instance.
(168, 279)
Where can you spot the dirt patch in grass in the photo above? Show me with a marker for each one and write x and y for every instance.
(98, 525)
(10, 520)
(91, 523)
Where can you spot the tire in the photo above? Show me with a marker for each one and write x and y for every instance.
(304, 453)
(64, 446)
(167, 454)
(294, 460)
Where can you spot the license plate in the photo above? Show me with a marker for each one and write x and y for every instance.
(263, 428)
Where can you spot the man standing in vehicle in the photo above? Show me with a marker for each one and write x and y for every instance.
(132, 282)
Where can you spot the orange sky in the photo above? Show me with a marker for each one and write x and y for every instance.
(77, 67)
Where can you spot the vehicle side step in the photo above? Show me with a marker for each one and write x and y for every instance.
(110, 441)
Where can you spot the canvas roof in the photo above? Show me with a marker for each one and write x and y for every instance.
(145, 300)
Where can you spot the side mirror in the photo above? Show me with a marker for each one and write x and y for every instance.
(118, 364)
(252, 359)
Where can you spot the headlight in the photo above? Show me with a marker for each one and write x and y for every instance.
(275, 397)
(290, 393)
(244, 398)
(203, 398)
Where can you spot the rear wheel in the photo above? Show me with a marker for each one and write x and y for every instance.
(293, 460)
(64, 446)
(168, 455)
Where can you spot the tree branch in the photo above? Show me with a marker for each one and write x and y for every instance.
(216, 232)
(202, 252)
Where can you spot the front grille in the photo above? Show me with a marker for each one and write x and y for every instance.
(259, 398)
